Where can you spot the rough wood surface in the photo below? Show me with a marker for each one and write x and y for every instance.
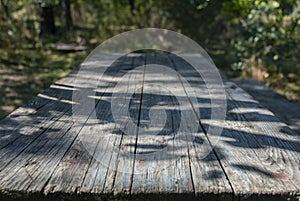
(269, 150)
(286, 110)
(162, 161)
(154, 147)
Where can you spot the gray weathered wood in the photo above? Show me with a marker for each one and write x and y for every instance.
(155, 146)
(264, 150)
(286, 110)
(206, 168)
(258, 153)
(166, 167)
(71, 172)
(102, 170)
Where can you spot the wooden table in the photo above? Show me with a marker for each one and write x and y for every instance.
(45, 155)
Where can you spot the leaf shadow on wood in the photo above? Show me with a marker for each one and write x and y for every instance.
(41, 125)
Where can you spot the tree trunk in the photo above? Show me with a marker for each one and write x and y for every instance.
(47, 23)
(5, 9)
(68, 16)
(132, 6)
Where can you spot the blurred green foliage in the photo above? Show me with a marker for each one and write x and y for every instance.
(265, 42)
(251, 38)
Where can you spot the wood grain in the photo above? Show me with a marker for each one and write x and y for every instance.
(154, 141)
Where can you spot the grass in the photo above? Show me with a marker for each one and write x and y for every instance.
(26, 72)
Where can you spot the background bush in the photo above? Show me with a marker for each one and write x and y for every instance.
(250, 38)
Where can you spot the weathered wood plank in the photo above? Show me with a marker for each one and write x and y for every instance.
(287, 111)
(101, 174)
(162, 162)
(70, 173)
(206, 169)
(28, 152)
(249, 143)
(77, 156)
(121, 182)
(22, 138)
(32, 117)
(269, 158)
(36, 157)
